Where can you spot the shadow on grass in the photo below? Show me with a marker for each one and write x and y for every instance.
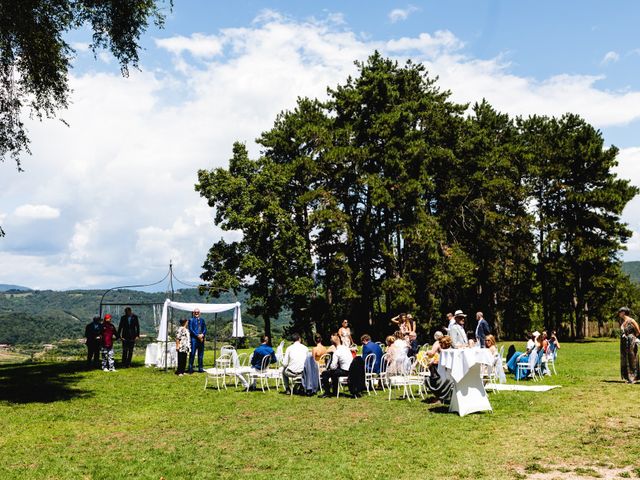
(41, 382)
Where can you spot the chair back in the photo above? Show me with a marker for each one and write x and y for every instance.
(227, 349)
(242, 360)
(323, 362)
(384, 363)
(369, 362)
(264, 364)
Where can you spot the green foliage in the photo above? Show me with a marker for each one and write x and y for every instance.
(35, 58)
(386, 198)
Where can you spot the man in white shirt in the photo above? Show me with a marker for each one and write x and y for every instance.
(451, 321)
(293, 362)
(339, 367)
(456, 331)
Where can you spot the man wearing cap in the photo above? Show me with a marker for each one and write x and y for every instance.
(92, 333)
(456, 332)
(129, 332)
(198, 330)
(107, 334)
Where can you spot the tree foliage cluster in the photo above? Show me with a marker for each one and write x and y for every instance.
(390, 197)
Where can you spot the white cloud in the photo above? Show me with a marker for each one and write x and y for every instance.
(81, 46)
(440, 42)
(401, 14)
(123, 172)
(36, 212)
(610, 57)
(198, 45)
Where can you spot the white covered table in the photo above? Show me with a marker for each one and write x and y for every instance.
(462, 366)
(155, 355)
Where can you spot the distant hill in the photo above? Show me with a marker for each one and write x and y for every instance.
(46, 316)
(633, 269)
(14, 288)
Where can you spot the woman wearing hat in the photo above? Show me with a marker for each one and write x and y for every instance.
(629, 347)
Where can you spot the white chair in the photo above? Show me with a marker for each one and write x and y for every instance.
(383, 375)
(218, 373)
(322, 366)
(274, 372)
(400, 379)
(529, 365)
(551, 359)
(262, 375)
(241, 367)
(370, 377)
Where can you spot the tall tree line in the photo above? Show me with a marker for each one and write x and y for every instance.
(390, 197)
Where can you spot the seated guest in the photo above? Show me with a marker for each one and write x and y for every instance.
(434, 354)
(339, 367)
(490, 343)
(319, 350)
(413, 344)
(293, 361)
(441, 387)
(518, 357)
(263, 350)
(368, 348)
(398, 359)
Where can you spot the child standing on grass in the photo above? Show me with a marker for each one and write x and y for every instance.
(107, 335)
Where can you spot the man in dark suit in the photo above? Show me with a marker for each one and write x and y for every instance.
(129, 332)
(198, 331)
(482, 330)
(92, 333)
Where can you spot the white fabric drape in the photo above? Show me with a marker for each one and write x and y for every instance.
(237, 330)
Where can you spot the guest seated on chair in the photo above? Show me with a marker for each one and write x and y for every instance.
(293, 361)
(319, 350)
(490, 343)
(263, 350)
(339, 367)
(368, 348)
(441, 387)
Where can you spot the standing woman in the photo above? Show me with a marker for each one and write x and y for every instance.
(183, 346)
(629, 347)
(345, 334)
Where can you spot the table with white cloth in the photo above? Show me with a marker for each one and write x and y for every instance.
(462, 366)
(154, 355)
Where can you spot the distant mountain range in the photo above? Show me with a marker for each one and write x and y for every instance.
(46, 316)
(633, 269)
(16, 288)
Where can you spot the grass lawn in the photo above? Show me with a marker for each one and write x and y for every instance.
(60, 421)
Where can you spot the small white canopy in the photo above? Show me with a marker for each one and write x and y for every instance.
(237, 330)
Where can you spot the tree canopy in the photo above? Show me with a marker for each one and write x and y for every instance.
(35, 58)
(389, 197)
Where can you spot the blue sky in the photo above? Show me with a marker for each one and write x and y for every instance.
(110, 199)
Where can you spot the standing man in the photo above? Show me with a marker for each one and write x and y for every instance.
(198, 330)
(482, 330)
(92, 333)
(451, 321)
(129, 332)
(293, 362)
(456, 331)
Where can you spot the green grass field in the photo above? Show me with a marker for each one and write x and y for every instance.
(62, 422)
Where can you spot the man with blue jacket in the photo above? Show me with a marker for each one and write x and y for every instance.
(369, 347)
(198, 331)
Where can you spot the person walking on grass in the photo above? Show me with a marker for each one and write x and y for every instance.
(183, 346)
(129, 332)
(198, 331)
(107, 334)
(92, 333)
